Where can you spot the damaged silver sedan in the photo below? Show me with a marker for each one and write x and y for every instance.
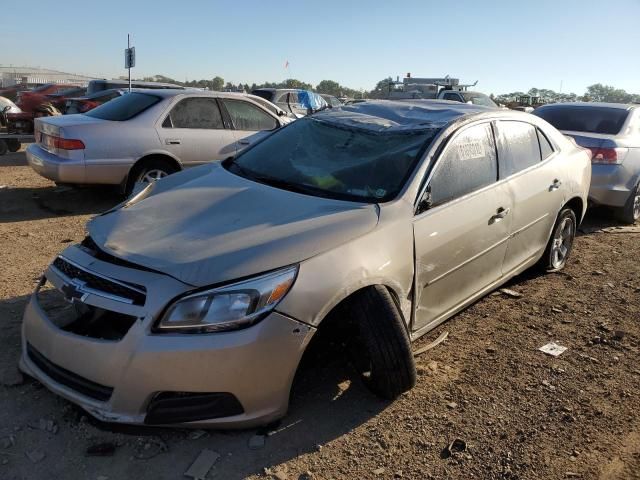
(193, 301)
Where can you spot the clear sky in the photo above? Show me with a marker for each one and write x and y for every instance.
(505, 45)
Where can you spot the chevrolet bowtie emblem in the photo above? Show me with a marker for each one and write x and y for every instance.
(74, 291)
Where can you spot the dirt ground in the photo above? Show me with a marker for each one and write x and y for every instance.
(519, 414)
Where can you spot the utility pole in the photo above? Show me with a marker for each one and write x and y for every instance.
(129, 58)
(129, 49)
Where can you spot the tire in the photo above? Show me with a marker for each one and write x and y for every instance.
(555, 258)
(630, 213)
(13, 145)
(391, 370)
(3, 147)
(148, 171)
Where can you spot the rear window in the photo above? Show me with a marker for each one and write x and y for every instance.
(124, 107)
(266, 94)
(584, 119)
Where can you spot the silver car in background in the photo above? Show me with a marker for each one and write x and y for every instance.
(148, 134)
(612, 132)
(194, 301)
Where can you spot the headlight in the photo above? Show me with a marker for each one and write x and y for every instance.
(230, 307)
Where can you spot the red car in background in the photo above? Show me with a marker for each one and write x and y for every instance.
(59, 99)
(35, 103)
(28, 100)
(84, 104)
(12, 92)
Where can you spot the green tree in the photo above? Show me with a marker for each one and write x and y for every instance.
(330, 87)
(217, 84)
(607, 93)
(382, 88)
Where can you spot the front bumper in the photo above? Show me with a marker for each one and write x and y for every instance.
(611, 185)
(255, 365)
(54, 168)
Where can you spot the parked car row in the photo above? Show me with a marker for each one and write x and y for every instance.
(57, 98)
(387, 217)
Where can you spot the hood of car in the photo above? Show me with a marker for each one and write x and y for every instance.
(206, 225)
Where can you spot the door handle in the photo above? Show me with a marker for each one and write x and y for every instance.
(555, 185)
(244, 142)
(500, 214)
(172, 141)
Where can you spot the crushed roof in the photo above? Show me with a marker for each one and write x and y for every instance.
(390, 115)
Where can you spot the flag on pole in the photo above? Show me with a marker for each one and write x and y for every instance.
(286, 64)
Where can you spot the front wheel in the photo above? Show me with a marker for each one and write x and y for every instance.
(630, 213)
(385, 357)
(559, 247)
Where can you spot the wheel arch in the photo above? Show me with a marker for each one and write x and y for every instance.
(578, 206)
(346, 297)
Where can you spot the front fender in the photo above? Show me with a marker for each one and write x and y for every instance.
(383, 256)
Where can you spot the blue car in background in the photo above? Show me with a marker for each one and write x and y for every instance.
(296, 102)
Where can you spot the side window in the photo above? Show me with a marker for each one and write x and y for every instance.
(197, 112)
(246, 116)
(283, 98)
(293, 98)
(545, 147)
(467, 164)
(518, 148)
(451, 96)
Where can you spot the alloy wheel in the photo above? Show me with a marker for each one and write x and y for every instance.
(153, 175)
(562, 240)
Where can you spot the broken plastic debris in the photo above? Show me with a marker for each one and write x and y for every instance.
(552, 349)
(443, 336)
(457, 446)
(202, 464)
(510, 293)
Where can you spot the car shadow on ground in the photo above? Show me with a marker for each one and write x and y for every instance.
(25, 204)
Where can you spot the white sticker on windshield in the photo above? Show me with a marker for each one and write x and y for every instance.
(470, 150)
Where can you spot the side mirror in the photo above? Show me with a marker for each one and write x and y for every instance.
(282, 113)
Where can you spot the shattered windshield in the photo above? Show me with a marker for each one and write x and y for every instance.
(325, 159)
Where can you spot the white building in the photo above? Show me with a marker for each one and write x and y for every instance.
(30, 76)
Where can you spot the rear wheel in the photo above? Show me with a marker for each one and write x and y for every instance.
(149, 171)
(561, 242)
(13, 145)
(386, 361)
(630, 213)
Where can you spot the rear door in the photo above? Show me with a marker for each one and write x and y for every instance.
(461, 240)
(250, 122)
(194, 132)
(534, 174)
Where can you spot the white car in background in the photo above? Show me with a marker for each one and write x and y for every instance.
(148, 134)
